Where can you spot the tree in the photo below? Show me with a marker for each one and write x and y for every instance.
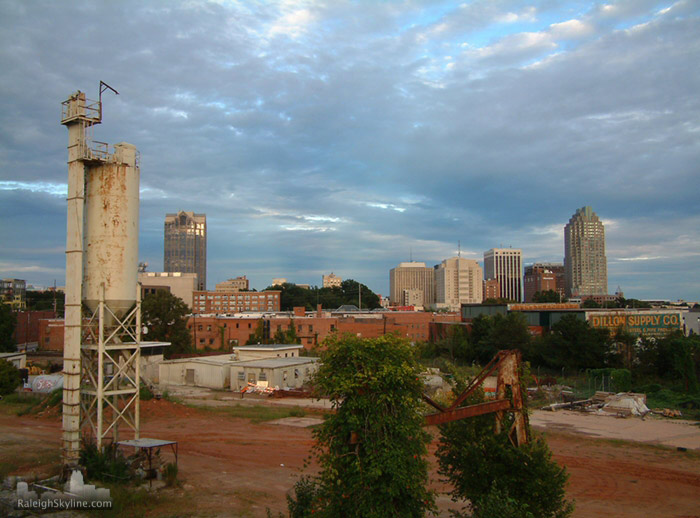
(8, 321)
(165, 316)
(547, 296)
(259, 336)
(498, 479)
(287, 337)
(348, 293)
(9, 378)
(490, 334)
(590, 304)
(371, 449)
(572, 343)
(44, 300)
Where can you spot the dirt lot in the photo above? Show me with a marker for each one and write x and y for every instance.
(231, 466)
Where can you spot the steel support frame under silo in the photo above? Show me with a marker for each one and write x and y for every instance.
(111, 359)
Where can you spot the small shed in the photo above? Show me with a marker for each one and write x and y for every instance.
(273, 372)
(207, 371)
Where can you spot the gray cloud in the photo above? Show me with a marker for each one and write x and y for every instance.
(344, 136)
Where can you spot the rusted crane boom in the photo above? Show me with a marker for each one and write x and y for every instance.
(507, 363)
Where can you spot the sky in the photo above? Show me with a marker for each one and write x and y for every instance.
(347, 137)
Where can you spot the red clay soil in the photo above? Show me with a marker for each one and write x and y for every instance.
(232, 467)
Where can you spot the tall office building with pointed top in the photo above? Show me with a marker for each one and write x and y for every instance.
(185, 245)
(585, 264)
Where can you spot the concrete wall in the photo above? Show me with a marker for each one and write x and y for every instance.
(208, 375)
(293, 376)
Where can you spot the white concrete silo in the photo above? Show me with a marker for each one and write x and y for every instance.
(112, 232)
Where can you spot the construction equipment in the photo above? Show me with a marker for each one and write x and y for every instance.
(509, 398)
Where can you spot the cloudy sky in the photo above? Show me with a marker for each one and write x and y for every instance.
(349, 136)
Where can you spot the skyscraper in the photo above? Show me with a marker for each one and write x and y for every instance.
(506, 266)
(185, 245)
(410, 282)
(458, 281)
(585, 264)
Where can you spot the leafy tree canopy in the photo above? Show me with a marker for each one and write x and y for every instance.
(165, 316)
(498, 479)
(8, 321)
(371, 450)
(330, 298)
(548, 296)
(572, 343)
(9, 377)
(44, 301)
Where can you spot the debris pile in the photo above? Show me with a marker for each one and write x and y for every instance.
(623, 404)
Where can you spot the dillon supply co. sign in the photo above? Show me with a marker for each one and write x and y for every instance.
(649, 324)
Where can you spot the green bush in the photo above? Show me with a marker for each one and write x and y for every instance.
(301, 504)
(622, 378)
(496, 477)
(145, 393)
(107, 464)
(170, 474)
(9, 378)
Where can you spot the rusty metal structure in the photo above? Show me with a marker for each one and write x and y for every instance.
(509, 398)
(103, 311)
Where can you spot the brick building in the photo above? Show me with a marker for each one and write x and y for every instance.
(543, 277)
(223, 332)
(235, 301)
(28, 322)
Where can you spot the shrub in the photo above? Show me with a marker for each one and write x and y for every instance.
(9, 378)
(170, 474)
(145, 393)
(496, 477)
(301, 504)
(371, 450)
(107, 464)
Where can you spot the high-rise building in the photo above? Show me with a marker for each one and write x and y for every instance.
(411, 276)
(185, 245)
(506, 266)
(585, 264)
(458, 281)
(543, 277)
(331, 281)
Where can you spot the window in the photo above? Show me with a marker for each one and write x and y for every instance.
(296, 373)
(211, 341)
(199, 327)
(241, 375)
(208, 328)
(262, 376)
(311, 328)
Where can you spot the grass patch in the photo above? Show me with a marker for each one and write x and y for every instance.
(256, 413)
(25, 462)
(688, 404)
(28, 403)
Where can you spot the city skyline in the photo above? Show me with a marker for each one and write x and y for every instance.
(350, 137)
